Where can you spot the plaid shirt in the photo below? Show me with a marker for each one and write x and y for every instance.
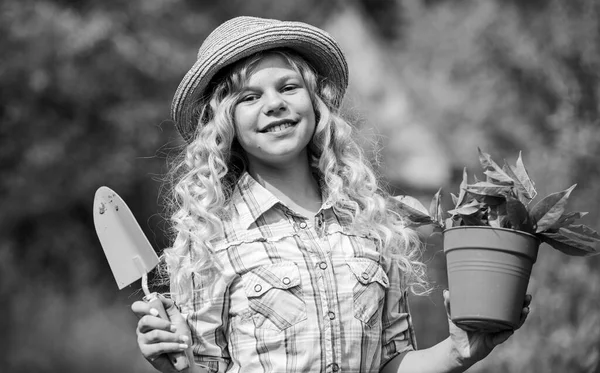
(296, 295)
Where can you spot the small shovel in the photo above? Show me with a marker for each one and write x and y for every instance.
(128, 251)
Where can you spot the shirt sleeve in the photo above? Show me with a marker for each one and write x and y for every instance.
(398, 334)
(206, 312)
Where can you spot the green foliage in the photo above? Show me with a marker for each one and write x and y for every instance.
(85, 91)
(435, 209)
(502, 201)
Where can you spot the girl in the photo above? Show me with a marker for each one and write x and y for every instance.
(288, 257)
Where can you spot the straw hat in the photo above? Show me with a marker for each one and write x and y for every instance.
(239, 38)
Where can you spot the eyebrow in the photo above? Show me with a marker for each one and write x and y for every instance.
(277, 82)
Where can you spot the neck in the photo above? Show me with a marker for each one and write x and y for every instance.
(292, 183)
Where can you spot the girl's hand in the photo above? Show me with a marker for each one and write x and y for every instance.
(156, 337)
(471, 347)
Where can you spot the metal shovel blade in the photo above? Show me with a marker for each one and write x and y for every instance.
(127, 249)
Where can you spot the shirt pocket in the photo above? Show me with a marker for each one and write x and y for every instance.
(275, 295)
(369, 290)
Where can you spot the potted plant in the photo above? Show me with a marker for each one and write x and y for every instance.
(491, 239)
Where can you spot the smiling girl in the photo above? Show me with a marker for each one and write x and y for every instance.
(288, 256)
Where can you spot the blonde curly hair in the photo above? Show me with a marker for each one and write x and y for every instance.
(204, 176)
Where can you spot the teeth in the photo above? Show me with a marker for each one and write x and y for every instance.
(280, 127)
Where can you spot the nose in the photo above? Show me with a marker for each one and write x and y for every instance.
(274, 103)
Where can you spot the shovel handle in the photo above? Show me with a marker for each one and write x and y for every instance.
(178, 359)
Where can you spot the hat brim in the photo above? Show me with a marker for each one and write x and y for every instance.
(317, 47)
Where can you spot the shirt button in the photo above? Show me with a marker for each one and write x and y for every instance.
(335, 367)
(331, 315)
(323, 265)
(365, 275)
(286, 281)
(302, 224)
(257, 288)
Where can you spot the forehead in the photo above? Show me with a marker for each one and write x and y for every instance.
(270, 64)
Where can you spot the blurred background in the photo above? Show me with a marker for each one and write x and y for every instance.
(85, 89)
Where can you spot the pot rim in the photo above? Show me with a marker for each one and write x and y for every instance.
(492, 228)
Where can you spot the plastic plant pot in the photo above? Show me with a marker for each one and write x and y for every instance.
(488, 274)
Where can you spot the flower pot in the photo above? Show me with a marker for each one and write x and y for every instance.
(488, 274)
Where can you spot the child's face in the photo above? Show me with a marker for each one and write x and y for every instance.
(274, 118)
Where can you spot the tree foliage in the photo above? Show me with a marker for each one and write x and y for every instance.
(85, 88)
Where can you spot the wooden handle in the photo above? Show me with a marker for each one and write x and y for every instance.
(178, 359)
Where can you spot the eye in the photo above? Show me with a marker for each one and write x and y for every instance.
(248, 97)
(289, 87)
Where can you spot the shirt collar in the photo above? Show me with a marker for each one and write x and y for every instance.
(251, 200)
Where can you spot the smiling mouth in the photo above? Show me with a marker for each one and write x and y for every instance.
(279, 126)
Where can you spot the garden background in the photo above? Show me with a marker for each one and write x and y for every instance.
(85, 89)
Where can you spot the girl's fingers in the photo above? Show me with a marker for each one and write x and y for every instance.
(159, 336)
(526, 310)
(446, 295)
(524, 314)
(140, 308)
(149, 322)
(501, 337)
(153, 351)
(143, 308)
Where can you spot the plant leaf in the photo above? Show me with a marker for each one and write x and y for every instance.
(522, 193)
(567, 219)
(497, 216)
(549, 210)
(523, 177)
(435, 208)
(488, 200)
(469, 209)
(493, 172)
(496, 223)
(474, 219)
(449, 223)
(576, 240)
(497, 177)
(463, 189)
(518, 216)
(408, 210)
(485, 188)
(454, 199)
(583, 231)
